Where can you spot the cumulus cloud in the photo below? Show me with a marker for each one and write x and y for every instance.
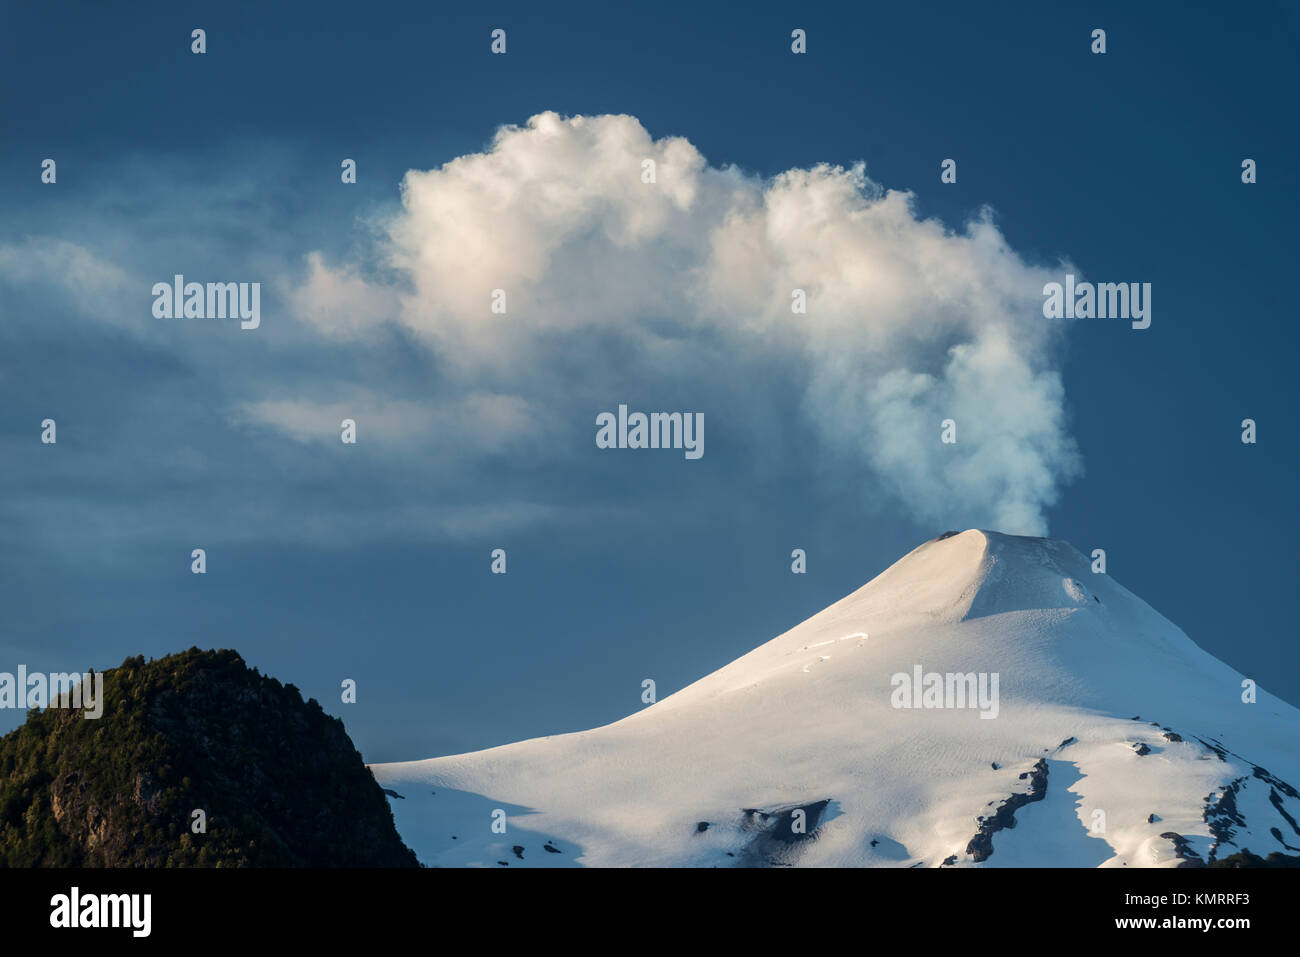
(339, 302)
(610, 279)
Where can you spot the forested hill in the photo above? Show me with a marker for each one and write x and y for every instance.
(277, 780)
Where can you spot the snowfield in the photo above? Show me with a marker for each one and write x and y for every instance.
(1117, 742)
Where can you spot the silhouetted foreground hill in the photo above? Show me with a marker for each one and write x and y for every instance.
(279, 780)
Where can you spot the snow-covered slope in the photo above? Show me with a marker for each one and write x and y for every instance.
(1114, 741)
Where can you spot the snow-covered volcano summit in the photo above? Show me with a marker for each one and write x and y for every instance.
(987, 700)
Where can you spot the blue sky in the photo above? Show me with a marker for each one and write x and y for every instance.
(375, 566)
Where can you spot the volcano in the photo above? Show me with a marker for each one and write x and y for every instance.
(986, 701)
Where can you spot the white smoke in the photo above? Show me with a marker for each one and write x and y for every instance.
(907, 323)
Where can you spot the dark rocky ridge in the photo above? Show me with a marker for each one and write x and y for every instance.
(1187, 857)
(980, 847)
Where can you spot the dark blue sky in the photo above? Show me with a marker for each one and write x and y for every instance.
(1127, 164)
